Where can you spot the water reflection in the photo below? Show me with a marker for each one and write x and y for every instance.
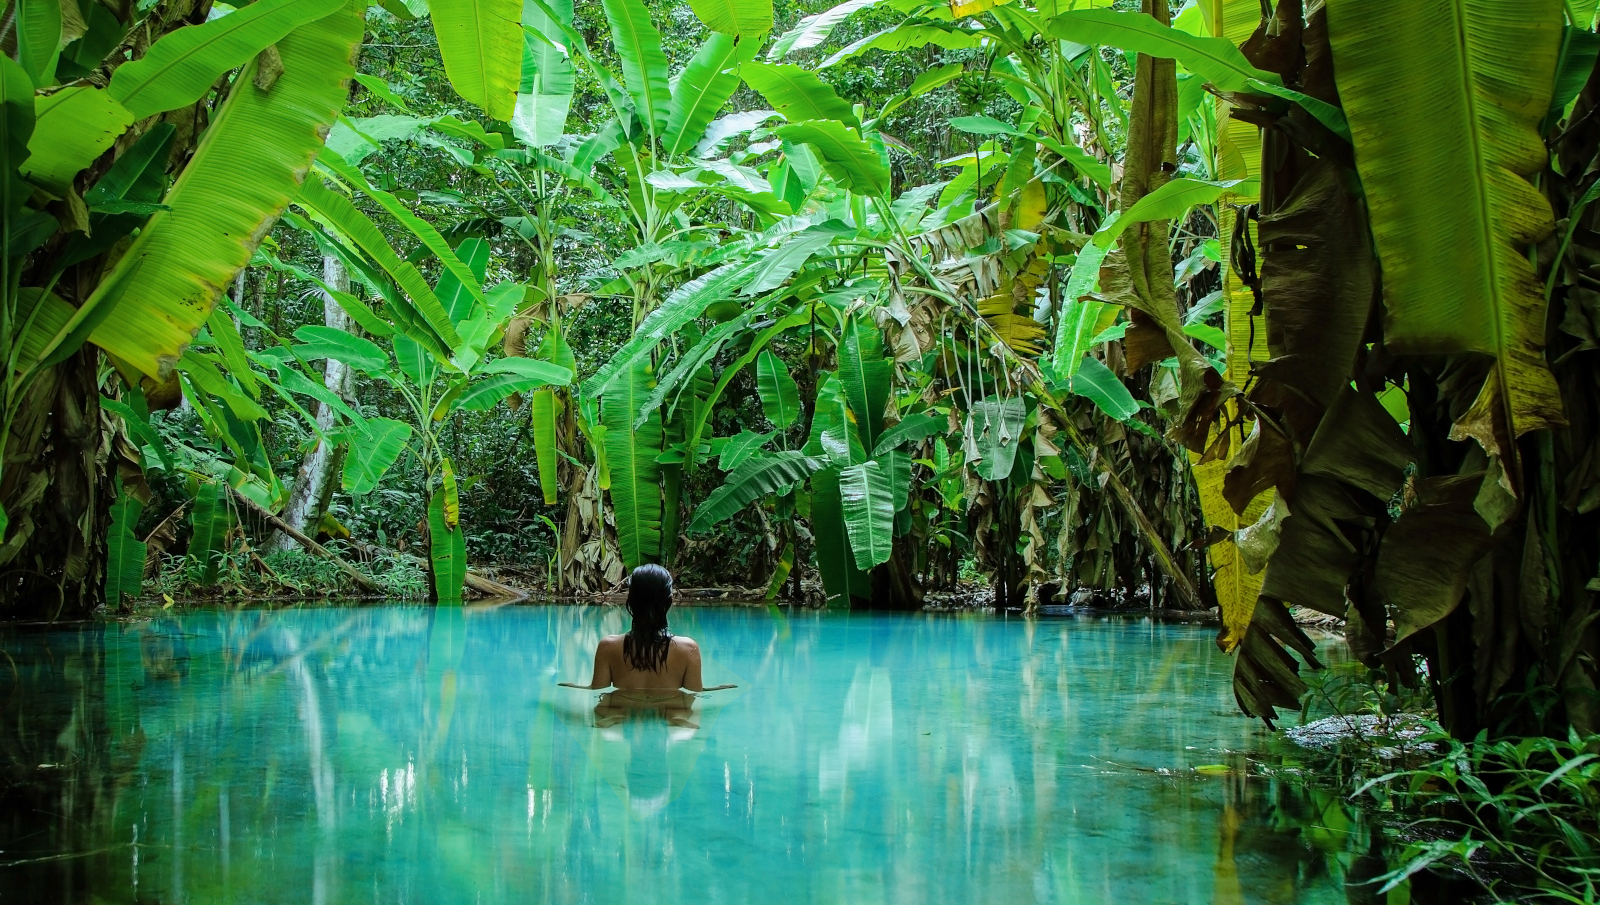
(418, 754)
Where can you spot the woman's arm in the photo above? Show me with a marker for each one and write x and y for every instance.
(600, 677)
(691, 671)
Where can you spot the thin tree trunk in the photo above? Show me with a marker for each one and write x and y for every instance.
(312, 489)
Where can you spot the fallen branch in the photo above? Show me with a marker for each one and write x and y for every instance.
(299, 537)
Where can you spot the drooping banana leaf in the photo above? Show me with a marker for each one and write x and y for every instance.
(1453, 212)
(249, 164)
(635, 475)
(704, 87)
(780, 395)
(740, 447)
(1081, 322)
(682, 306)
(181, 67)
(125, 553)
(373, 449)
(1217, 60)
(912, 429)
(866, 376)
(542, 413)
(798, 93)
(868, 512)
(72, 127)
(997, 428)
(841, 580)
(747, 19)
(644, 65)
(317, 341)
(544, 95)
(852, 162)
(480, 42)
(447, 549)
(1098, 384)
(771, 475)
(38, 33)
(814, 30)
(209, 522)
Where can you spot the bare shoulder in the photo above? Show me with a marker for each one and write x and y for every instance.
(687, 645)
(611, 642)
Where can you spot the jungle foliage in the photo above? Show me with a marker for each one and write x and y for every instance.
(1190, 300)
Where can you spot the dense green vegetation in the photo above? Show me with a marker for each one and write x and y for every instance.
(1168, 302)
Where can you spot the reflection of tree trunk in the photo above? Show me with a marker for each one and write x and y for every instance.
(57, 494)
(313, 483)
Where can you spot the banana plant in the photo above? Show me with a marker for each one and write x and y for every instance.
(438, 341)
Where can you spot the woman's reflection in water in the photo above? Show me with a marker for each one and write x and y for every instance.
(651, 724)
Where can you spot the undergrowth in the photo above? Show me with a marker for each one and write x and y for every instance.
(285, 574)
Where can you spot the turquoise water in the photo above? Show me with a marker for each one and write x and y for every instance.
(408, 755)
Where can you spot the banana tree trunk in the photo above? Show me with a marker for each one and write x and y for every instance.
(57, 492)
(313, 482)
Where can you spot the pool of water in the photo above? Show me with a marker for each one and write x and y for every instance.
(413, 755)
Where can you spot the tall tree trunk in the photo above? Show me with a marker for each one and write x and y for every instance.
(313, 483)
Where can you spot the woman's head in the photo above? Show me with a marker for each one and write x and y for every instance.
(649, 598)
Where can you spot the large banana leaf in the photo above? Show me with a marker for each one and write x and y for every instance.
(1096, 383)
(1080, 322)
(997, 428)
(246, 168)
(38, 25)
(867, 377)
(1453, 213)
(906, 36)
(841, 580)
(772, 475)
(481, 44)
(542, 412)
(544, 95)
(868, 512)
(703, 87)
(125, 553)
(814, 30)
(748, 19)
(780, 395)
(181, 67)
(797, 93)
(635, 475)
(447, 549)
(644, 65)
(1217, 60)
(72, 127)
(372, 452)
(684, 305)
(855, 164)
(209, 525)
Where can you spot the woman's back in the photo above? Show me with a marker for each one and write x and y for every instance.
(680, 669)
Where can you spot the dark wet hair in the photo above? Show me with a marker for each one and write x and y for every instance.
(649, 598)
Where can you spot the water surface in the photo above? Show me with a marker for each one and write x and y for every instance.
(413, 755)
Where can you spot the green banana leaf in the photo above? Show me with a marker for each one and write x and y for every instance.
(1096, 383)
(774, 267)
(741, 446)
(868, 512)
(72, 128)
(748, 19)
(635, 475)
(542, 413)
(703, 88)
(798, 93)
(447, 550)
(644, 64)
(209, 522)
(842, 581)
(1452, 207)
(780, 395)
(125, 553)
(1171, 201)
(317, 341)
(1216, 60)
(997, 427)
(243, 173)
(853, 163)
(684, 305)
(373, 450)
(181, 67)
(814, 30)
(480, 42)
(912, 429)
(770, 475)
(38, 24)
(867, 377)
(903, 37)
(544, 95)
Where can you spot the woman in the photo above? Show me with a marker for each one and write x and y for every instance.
(648, 657)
